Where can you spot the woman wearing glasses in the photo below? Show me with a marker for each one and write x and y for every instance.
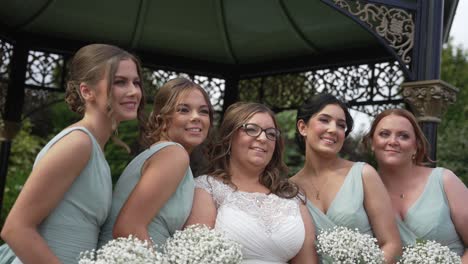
(341, 192)
(244, 195)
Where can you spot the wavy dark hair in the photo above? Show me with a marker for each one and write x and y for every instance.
(219, 166)
(422, 145)
(314, 105)
(165, 103)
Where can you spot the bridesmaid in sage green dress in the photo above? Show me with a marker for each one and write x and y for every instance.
(67, 196)
(341, 192)
(153, 196)
(429, 203)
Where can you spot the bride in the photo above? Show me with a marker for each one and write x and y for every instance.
(244, 196)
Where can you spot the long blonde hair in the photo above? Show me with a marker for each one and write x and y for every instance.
(92, 63)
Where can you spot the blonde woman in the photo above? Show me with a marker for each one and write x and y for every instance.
(153, 196)
(68, 194)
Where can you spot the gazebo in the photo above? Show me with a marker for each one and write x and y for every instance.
(372, 53)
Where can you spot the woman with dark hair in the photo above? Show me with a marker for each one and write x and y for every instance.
(430, 203)
(245, 196)
(153, 196)
(341, 192)
(67, 196)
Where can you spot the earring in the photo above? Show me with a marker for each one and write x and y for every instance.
(413, 156)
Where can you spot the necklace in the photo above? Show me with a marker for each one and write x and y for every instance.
(317, 190)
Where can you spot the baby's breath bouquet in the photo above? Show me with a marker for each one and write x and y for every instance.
(129, 250)
(428, 252)
(343, 245)
(200, 244)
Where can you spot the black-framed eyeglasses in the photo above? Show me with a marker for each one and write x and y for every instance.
(255, 130)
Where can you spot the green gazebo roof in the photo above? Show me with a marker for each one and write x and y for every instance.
(216, 37)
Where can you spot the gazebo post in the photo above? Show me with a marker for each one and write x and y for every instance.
(231, 91)
(13, 109)
(428, 100)
(427, 95)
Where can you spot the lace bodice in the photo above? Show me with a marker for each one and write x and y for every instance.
(269, 227)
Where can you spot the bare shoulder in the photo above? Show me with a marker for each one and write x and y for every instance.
(76, 144)
(173, 154)
(78, 138)
(451, 181)
(371, 178)
(369, 172)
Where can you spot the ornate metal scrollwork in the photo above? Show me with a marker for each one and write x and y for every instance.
(395, 25)
(213, 86)
(369, 88)
(429, 99)
(6, 50)
(44, 70)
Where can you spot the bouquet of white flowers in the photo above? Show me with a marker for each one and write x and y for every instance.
(428, 252)
(122, 250)
(343, 245)
(199, 244)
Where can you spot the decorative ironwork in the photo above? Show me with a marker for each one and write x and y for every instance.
(45, 70)
(369, 88)
(429, 99)
(395, 25)
(213, 86)
(215, 89)
(6, 51)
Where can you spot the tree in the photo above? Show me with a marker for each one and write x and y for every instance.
(23, 152)
(452, 142)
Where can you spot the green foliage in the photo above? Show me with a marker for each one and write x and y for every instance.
(454, 70)
(60, 116)
(452, 142)
(292, 155)
(116, 154)
(24, 149)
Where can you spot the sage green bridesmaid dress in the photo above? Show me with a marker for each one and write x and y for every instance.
(74, 225)
(429, 217)
(347, 208)
(172, 215)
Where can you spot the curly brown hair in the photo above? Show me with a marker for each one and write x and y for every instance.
(235, 116)
(91, 64)
(165, 103)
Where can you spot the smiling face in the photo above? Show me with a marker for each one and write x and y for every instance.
(190, 123)
(325, 131)
(253, 152)
(125, 91)
(394, 141)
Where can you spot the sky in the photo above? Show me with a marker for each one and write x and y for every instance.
(459, 31)
(459, 35)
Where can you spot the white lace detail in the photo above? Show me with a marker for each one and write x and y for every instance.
(270, 210)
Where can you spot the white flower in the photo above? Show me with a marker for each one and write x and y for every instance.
(428, 252)
(129, 250)
(343, 245)
(200, 244)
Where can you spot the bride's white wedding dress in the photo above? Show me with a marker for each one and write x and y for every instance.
(269, 228)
